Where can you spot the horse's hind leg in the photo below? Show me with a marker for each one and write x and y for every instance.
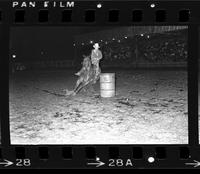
(79, 86)
(78, 89)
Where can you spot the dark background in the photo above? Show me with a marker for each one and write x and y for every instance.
(53, 47)
(42, 43)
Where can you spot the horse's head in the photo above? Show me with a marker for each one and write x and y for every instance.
(86, 62)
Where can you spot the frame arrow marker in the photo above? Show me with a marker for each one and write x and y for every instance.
(195, 163)
(98, 163)
(6, 163)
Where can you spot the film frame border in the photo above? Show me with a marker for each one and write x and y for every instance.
(45, 156)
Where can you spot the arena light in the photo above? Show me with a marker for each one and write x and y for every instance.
(13, 56)
(141, 34)
(125, 37)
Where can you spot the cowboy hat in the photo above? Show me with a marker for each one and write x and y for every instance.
(96, 45)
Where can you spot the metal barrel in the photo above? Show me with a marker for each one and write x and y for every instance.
(107, 85)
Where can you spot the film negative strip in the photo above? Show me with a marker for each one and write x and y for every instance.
(99, 84)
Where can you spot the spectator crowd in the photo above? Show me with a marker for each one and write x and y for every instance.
(152, 48)
(157, 48)
(164, 49)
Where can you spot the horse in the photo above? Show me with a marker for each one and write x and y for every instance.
(89, 74)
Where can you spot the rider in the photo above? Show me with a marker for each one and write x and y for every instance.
(96, 56)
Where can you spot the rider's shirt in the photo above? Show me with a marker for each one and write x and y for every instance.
(96, 56)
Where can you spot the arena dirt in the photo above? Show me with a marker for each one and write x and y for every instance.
(150, 107)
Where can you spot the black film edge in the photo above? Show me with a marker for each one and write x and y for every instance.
(99, 84)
